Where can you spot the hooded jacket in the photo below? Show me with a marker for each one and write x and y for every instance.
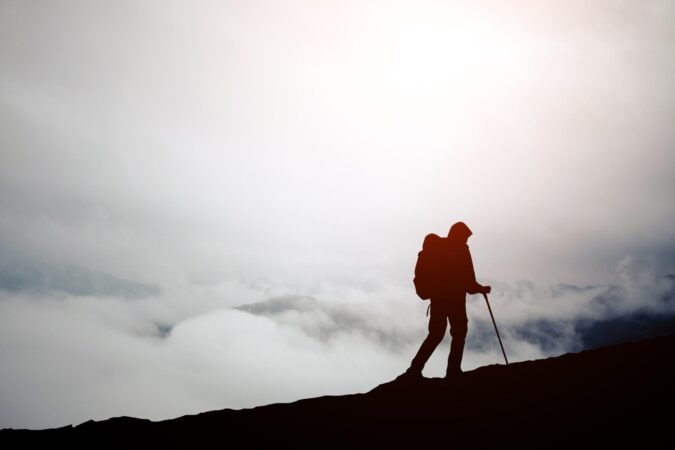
(458, 277)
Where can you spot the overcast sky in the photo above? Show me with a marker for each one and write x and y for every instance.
(164, 162)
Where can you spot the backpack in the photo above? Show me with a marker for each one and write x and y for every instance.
(428, 266)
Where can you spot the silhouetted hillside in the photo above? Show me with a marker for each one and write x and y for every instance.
(621, 395)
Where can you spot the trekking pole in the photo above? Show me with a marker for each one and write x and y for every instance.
(495, 324)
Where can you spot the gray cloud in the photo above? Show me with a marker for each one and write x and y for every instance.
(326, 321)
(68, 358)
(78, 281)
(601, 315)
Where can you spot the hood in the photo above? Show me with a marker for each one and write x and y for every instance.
(459, 232)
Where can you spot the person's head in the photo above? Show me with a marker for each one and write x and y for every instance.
(459, 232)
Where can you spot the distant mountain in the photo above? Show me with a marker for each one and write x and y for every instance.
(613, 396)
(38, 278)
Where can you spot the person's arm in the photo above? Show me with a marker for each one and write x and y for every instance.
(473, 287)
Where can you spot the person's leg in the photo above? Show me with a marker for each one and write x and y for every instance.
(458, 330)
(438, 323)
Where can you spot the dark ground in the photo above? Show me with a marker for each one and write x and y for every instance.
(615, 396)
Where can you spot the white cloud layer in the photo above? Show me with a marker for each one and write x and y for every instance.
(68, 358)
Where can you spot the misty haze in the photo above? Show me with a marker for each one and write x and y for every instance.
(208, 205)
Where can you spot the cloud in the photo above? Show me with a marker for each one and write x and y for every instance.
(329, 321)
(220, 205)
(68, 358)
(152, 171)
(68, 279)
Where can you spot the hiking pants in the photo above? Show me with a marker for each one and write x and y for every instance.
(442, 312)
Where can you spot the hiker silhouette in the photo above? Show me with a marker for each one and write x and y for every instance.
(454, 277)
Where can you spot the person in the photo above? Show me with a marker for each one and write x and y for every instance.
(448, 303)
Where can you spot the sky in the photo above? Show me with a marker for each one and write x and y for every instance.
(219, 204)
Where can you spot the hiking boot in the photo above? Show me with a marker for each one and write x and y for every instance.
(410, 375)
(452, 375)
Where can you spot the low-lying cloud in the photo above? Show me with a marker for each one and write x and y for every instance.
(69, 279)
(68, 358)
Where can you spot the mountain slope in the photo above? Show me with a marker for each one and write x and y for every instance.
(618, 395)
